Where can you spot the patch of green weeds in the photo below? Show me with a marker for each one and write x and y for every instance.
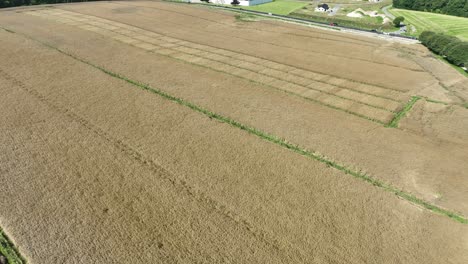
(242, 17)
(396, 119)
(9, 251)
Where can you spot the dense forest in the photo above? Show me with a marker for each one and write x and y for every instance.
(452, 48)
(449, 7)
(11, 3)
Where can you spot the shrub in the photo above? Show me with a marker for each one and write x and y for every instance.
(426, 36)
(458, 54)
(455, 50)
(440, 41)
(397, 21)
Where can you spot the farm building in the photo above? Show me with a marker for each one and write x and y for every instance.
(322, 8)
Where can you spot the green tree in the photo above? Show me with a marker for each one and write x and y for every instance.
(456, 7)
(455, 50)
(426, 36)
(450, 7)
(397, 21)
(437, 5)
(440, 41)
(458, 54)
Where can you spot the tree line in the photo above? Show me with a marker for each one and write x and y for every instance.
(450, 47)
(11, 3)
(449, 7)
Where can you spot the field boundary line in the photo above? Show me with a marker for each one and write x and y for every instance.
(274, 139)
(9, 250)
(396, 119)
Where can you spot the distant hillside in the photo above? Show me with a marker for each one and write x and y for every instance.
(449, 7)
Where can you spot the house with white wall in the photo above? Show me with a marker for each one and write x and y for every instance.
(322, 8)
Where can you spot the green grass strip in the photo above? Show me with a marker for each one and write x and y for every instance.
(435, 101)
(9, 251)
(276, 140)
(396, 119)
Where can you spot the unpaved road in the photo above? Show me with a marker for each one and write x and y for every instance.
(387, 13)
(95, 169)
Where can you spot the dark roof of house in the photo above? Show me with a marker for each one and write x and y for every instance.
(325, 6)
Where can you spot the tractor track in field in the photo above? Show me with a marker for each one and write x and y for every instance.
(158, 169)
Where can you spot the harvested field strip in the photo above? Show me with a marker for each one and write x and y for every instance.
(327, 104)
(9, 251)
(403, 112)
(294, 72)
(261, 71)
(83, 18)
(271, 138)
(274, 74)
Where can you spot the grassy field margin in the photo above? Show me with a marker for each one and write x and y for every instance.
(396, 119)
(274, 139)
(459, 69)
(9, 251)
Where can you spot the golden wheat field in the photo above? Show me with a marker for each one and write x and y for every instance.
(158, 132)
